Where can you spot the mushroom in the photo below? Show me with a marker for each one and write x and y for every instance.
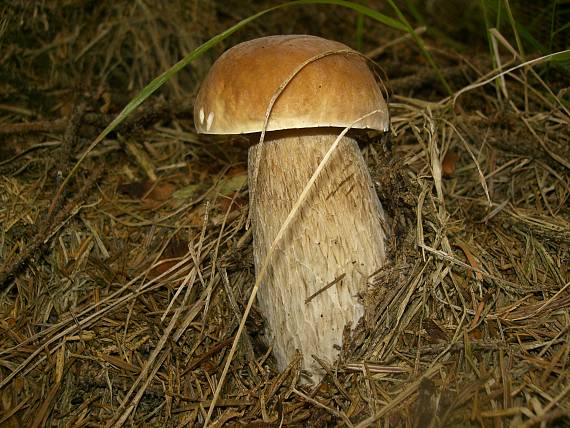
(310, 293)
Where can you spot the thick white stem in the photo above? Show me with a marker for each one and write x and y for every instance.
(338, 232)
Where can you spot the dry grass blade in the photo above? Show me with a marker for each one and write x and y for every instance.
(500, 74)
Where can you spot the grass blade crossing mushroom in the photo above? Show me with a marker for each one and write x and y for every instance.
(310, 293)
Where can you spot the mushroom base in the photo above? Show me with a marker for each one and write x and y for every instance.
(339, 232)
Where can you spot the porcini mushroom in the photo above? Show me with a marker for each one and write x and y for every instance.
(311, 290)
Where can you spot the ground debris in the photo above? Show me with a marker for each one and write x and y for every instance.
(121, 295)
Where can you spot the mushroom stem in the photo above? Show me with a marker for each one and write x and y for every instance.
(310, 292)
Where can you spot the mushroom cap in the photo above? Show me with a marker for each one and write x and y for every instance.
(332, 91)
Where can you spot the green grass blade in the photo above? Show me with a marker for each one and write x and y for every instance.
(371, 13)
(359, 31)
(553, 9)
(483, 4)
(422, 47)
(157, 82)
(411, 5)
(560, 29)
(514, 27)
(563, 56)
(519, 30)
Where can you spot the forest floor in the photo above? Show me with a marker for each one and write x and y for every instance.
(124, 273)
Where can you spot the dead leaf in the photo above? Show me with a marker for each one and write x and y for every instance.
(470, 258)
(448, 164)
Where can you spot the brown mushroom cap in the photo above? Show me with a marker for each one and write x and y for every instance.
(332, 91)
